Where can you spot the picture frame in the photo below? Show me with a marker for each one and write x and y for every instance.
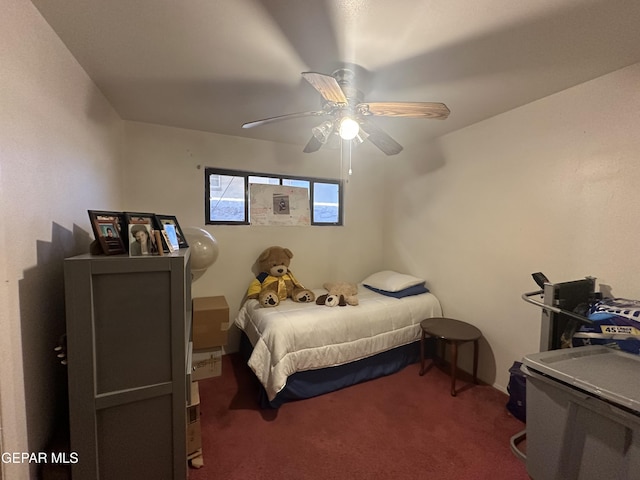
(170, 237)
(137, 217)
(170, 243)
(108, 228)
(151, 225)
(162, 220)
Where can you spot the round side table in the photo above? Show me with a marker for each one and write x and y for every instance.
(453, 332)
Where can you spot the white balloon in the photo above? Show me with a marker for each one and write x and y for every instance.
(204, 248)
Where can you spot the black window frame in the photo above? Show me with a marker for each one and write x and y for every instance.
(208, 171)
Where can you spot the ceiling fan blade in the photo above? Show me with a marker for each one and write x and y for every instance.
(313, 145)
(381, 139)
(405, 109)
(327, 86)
(288, 116)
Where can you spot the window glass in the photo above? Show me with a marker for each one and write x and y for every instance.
(295, 183)
(264, 180)
(226, 198)
(326, 202)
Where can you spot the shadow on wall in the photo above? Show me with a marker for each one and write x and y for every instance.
(431, 159)
(487, 367)
(42, 322)
(417, 190)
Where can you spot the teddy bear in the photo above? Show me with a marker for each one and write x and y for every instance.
(275, 282)
(340, 293)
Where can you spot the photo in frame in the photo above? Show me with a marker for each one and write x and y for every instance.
(141, 234)
(163, 220)
(142, 241)
(108, 230)
(171, 237)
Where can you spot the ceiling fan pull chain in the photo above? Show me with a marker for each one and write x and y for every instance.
(341, 160)
(350, 144)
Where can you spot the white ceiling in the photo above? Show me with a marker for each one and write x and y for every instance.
(212, 65)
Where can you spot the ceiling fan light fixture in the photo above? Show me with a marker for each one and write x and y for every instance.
(359, 139)
(349, 128)
(323, 131)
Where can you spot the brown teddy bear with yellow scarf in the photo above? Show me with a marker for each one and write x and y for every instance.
(275, 282)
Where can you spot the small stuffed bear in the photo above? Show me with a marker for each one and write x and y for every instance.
(275, 282)
(340, 293)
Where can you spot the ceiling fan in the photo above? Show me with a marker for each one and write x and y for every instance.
(349, 116)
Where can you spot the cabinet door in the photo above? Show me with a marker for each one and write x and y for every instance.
(127, 360)
(132, 330)
(135, 440)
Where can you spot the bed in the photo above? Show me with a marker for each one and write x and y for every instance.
(300, 350)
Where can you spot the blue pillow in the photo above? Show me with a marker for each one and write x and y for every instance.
(407, 292)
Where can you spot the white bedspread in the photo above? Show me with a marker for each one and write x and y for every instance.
(294, 337)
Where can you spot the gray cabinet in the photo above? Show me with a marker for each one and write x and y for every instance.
(128, 332)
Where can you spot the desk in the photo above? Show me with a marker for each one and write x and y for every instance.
(453, 332)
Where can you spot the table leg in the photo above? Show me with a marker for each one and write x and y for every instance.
(454, 365)
(475, 361)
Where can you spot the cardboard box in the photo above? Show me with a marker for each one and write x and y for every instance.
(210, 322)
(206, 363)
(194, 433)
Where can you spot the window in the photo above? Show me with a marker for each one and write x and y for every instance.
(227, 196)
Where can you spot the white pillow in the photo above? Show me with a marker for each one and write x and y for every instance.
(391, 281)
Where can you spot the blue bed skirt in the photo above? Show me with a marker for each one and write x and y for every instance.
(312, 383)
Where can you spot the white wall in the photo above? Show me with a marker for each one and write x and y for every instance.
(59, 148)
(551, 186)
(165, 175)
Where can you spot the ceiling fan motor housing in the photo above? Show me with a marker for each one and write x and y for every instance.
(346, 79)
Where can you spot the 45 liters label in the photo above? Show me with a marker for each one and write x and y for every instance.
(619, 329)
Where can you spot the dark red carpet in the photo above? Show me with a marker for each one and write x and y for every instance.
(398, 427)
